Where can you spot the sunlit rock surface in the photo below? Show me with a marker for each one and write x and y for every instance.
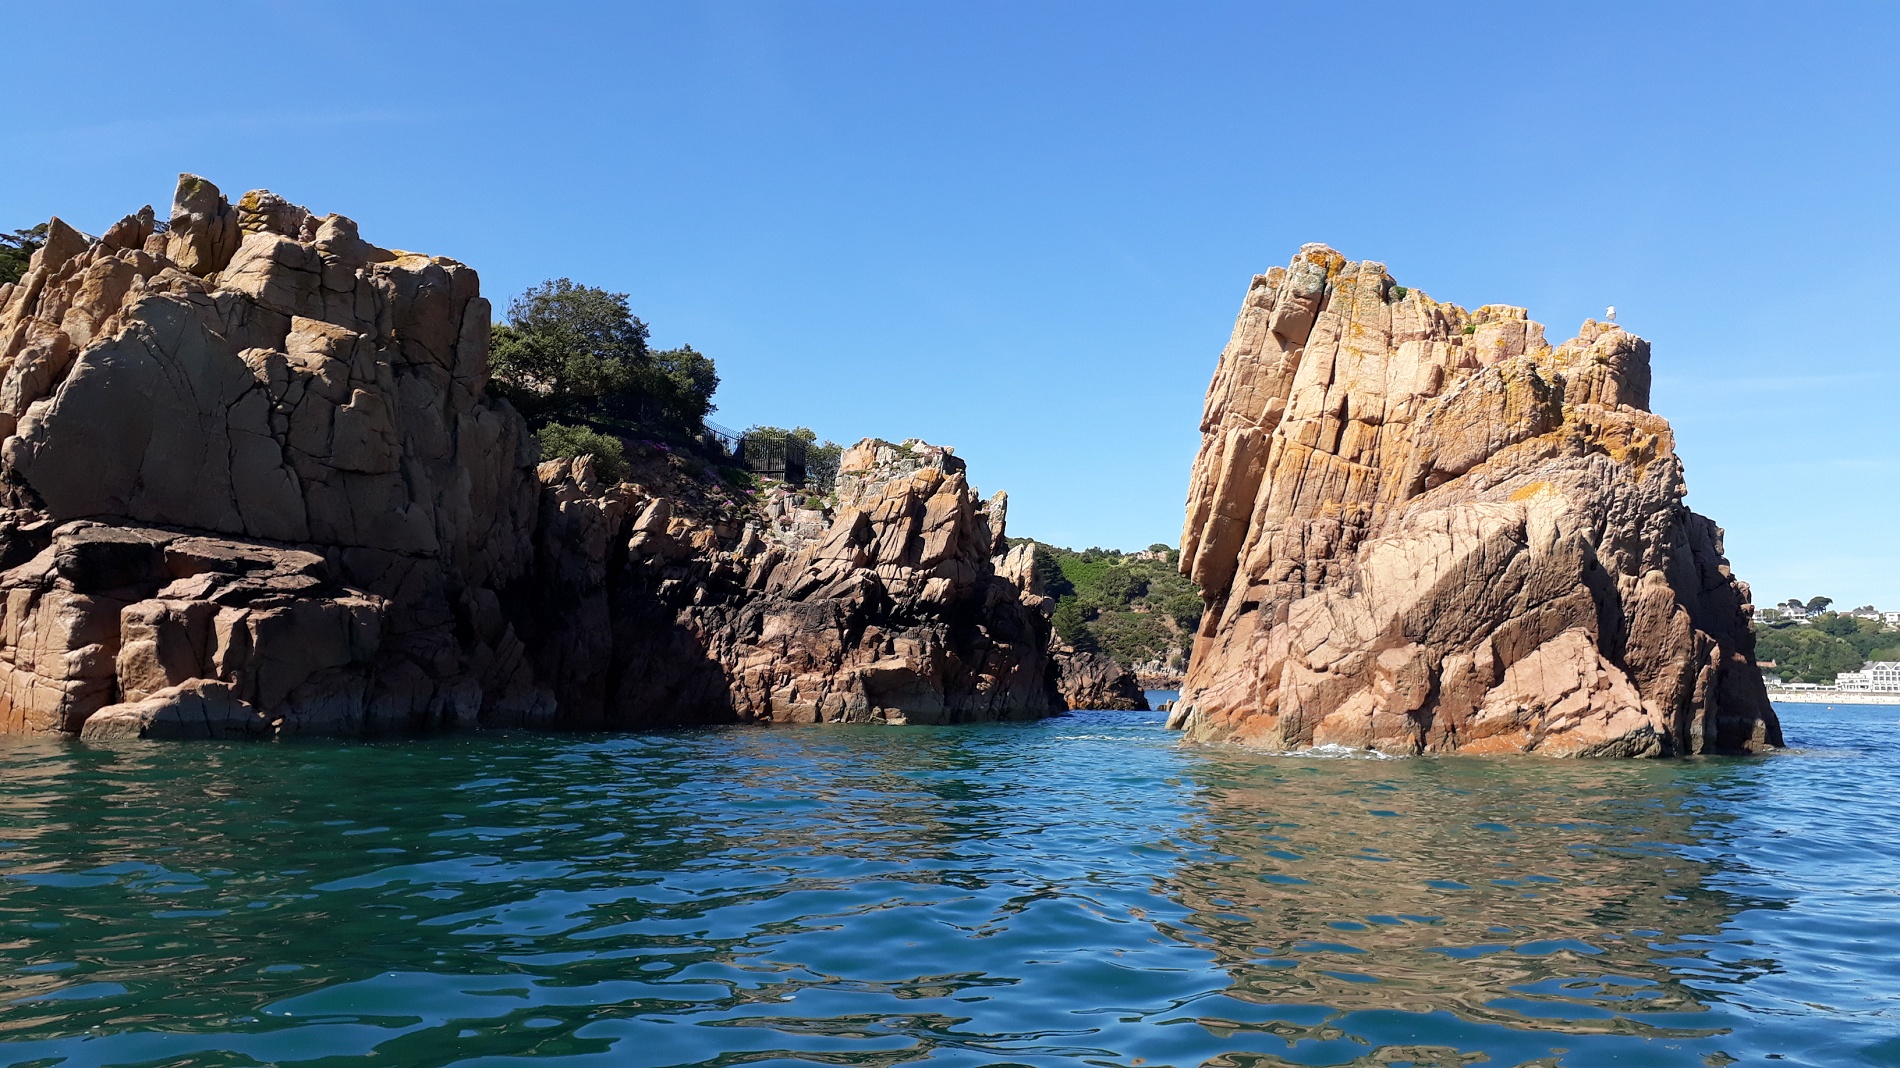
(251, 483)
(1422, 529)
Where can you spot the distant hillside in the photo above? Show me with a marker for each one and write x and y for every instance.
(1831, 643)
(1135, 607)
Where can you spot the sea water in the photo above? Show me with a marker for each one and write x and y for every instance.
(1080, 891)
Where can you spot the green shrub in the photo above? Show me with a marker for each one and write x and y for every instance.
(562, 442)
(1133, 637)
(578, 353)
(1185, 608)
(1071, 623)
(1082, 573)
(1047, 565)
(16, 251)
(1120, 585)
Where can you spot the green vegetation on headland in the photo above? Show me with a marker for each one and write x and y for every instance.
(576, 355)
(16, 251)
(575, 362)
(1822, 648)
(1135, 607)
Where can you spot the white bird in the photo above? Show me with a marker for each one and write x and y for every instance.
(1611, 313)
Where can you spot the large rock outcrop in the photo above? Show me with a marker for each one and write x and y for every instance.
(1422, 529)
(251, 484)
(883, 606)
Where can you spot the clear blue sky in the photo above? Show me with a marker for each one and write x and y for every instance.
(1024, 229)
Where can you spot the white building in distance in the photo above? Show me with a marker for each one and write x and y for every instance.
(1875, 676)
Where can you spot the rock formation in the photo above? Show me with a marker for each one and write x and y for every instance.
(1083, 680)
(1422, 529)
(885, 606)
(1095, 681)
(252, 484)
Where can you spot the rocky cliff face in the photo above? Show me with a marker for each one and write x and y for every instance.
(1422, 529)
(885, 607)
(252, 485)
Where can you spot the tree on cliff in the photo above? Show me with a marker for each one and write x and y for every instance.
(577, 355)
(16, 251)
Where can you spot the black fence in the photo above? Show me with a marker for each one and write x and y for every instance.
(728, 440)
(773, 456)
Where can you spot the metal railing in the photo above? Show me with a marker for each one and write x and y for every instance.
(728, 439)
(774, 456)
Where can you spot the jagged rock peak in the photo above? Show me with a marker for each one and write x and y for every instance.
(1421, 528)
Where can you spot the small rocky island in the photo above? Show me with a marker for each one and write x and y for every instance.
(253, 485)
(1422, 529)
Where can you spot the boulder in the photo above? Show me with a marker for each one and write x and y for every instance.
(1095, 681)
(1423, 529)
(197, 709)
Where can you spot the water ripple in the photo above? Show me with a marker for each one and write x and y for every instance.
(1081, 891)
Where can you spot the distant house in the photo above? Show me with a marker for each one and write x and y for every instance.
(1875, 676)
(1892, 619)
(1867, 612)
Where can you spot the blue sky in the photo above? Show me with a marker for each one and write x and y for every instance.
(1024, 229)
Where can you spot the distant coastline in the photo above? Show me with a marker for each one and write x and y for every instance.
(1832, 697)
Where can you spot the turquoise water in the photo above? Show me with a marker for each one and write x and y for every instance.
(1075, 892)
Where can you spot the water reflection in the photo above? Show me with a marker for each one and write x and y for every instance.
(1080, 891)
(1528, 893)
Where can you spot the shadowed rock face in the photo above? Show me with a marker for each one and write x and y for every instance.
(251, 484)
(662, 611)
(1422, 529)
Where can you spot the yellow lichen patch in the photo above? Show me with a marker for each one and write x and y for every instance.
(1323, 257)
(1510, 741)
(1525, 493)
